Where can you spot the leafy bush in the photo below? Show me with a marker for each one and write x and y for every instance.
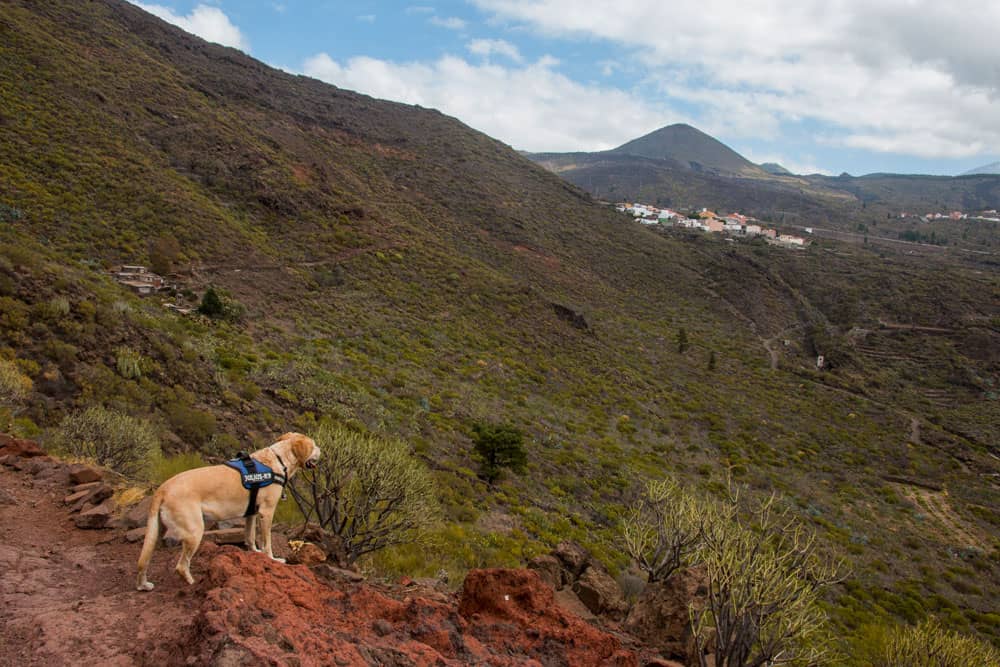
(368, 493)
(499, 446)
(168, 466)
(195, 426)
(129, 363)
(765, 580)
(112, 439)
(929, 645)
(14, 387)
(663, 529)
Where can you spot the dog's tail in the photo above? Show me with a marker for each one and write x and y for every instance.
(149, 543)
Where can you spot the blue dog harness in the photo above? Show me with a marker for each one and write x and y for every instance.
(254, 476)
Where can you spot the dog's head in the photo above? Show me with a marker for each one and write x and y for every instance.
(303, 448)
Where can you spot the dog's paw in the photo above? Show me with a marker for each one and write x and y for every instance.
(253, 548)
(279, 560)
(147, 586)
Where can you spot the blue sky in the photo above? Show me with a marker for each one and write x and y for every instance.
(861, 86)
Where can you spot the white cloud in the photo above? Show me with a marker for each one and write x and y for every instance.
(488, 47)
(209, 23)
(451, 22)
(532, 107)
(366, 18)
(917, 77)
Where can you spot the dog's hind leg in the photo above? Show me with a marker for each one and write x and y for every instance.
(250, 535)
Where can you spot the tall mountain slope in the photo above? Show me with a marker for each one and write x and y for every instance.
(992, 168)
(687, 145)
(681, 167)
(400, 272)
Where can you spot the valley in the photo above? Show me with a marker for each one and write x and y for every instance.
(388, 268)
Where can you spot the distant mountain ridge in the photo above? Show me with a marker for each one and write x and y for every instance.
(775, 168)
(691, 147)
(681, 166)
(992, 168)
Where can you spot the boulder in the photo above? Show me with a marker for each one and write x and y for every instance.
(574, 558)
(660, 616)
(339, 574)
(57, 474)
(85, 487)
(81, 474)
(11, 446)
(550, 569)
(39, 464)
(600, 593)
(137, 514)
(95, 496)
(225, 536)
(96, 517)
(136, 534)
(307, 554)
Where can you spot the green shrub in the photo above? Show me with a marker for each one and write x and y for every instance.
(193, 425)
(129, 363)
(663, 529)
(14, 387)
(122, 443)
(368, 493)
(927, 645)
(168, 466)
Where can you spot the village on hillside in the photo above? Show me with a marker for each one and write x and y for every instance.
(734, 224)
(990, 215)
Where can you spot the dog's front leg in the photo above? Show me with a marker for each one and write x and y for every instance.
(250, 534)
(265, 529)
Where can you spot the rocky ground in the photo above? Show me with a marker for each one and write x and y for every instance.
(67, 572)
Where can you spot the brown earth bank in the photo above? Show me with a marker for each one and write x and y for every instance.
(66, 597)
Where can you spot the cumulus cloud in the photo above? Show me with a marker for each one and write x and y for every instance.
(533, 106)
(489, 47)
(209, 23)
(917, 77)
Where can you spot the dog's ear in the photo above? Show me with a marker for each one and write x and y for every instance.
(302, 446)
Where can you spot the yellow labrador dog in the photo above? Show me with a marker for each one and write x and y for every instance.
(217, 492)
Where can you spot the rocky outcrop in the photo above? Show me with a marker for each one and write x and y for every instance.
(11, 446)
(571, 567)
(259, 612)
(660, 617)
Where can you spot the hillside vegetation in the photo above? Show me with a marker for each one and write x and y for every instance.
(390, 269)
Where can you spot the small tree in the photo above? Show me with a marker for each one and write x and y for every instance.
(663, 529)
(368, 492)
(682, 340)
(499, 446)
(764, 583)
(211, 304)
(125, 444)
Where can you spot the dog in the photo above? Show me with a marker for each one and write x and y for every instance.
(217, 492)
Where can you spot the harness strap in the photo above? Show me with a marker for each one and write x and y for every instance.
(251, 466)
